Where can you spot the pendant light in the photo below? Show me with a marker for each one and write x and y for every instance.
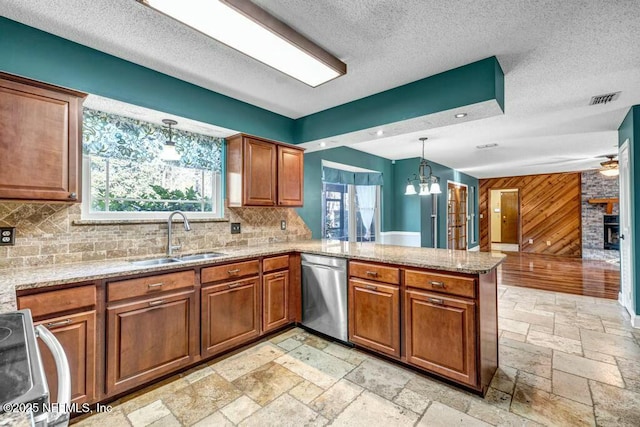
(610, 167)
(427, 184)
(169, 152)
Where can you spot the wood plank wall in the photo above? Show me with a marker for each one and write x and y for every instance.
(549, 211)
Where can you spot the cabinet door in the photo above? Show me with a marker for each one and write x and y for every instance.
(440, 335)
(149, 338)
(374, 316)
(77, 335)
(230, 315)
(39, 143)
(275, 300)
(290, 176)
(259, 174)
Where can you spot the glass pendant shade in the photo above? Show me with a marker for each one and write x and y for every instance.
(435, 188)
(424, 189)
(169, 153)
(411, 190)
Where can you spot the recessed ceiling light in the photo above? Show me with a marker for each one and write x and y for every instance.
(251, 30)
(461, 115)
(380, 132)
(481, 147)
(323, 144)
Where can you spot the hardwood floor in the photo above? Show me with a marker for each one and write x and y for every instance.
(560, 274)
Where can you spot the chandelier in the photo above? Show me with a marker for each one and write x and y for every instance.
(427, 184)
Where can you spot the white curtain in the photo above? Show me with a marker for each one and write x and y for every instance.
(366, 205)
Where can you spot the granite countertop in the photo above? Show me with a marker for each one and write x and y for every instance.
(439, 259)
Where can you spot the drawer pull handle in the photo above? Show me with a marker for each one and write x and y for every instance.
(373, 288)
(60, 323)
(156, 303)
(437, 284)
(372, 273)
(235, 285)
(234, 271)
(279, 275)
(155, 285)
(436, 301)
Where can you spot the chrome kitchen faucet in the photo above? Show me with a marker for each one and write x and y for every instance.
(187, 227)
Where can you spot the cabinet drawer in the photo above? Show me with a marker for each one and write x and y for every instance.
(379, 273)
(146, 286)
(230, 271)
(455, 285)
(58, 301)
(275, 263)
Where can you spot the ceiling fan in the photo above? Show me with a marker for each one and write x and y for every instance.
(610, 167)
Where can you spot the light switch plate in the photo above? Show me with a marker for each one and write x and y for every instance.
(283, 224)
(235, 228)
(7, 236)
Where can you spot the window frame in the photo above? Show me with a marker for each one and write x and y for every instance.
(87, 214)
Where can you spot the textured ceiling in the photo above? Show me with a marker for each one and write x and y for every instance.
(555, 55)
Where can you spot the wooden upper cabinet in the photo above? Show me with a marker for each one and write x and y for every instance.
(290, 176)
(40, 140)
(263, 173)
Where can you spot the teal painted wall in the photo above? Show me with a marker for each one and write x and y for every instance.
(413, 213)
(36, 54)
(480, 81)
(630, 129)
(311, 213)
(406, 208)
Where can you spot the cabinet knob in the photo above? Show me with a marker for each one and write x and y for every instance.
(73, 196)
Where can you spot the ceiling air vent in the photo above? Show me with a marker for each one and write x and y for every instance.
(603, 99)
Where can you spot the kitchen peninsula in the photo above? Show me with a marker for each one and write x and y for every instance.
(431, 309)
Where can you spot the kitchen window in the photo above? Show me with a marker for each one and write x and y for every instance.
(124, 176)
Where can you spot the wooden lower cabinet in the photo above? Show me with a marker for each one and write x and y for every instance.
(77, 335)
(440, 335)
(150, 338)
(374, 316)
(275, 300)
(230, 315)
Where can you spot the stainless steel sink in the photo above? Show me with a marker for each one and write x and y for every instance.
(197, 257)
(155, 261)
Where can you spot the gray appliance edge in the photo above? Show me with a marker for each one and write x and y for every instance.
(324, 295)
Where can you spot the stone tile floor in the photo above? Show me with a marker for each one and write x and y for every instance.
(565, 360)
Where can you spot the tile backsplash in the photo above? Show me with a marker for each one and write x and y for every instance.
(48, 234)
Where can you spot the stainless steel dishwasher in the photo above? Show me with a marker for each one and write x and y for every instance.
(324, 295)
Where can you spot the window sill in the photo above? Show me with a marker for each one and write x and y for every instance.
(139, 221)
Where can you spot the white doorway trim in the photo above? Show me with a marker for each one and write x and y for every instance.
(627, 291)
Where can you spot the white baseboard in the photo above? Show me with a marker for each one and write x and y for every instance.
(476, 248)
(401, 238)
(635, 319)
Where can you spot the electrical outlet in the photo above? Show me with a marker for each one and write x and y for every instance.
(7, 236)
(548, 242)
(283, 224)
(235, 228)
(531, 241)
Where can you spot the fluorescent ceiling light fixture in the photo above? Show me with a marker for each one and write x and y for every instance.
(249, 29)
